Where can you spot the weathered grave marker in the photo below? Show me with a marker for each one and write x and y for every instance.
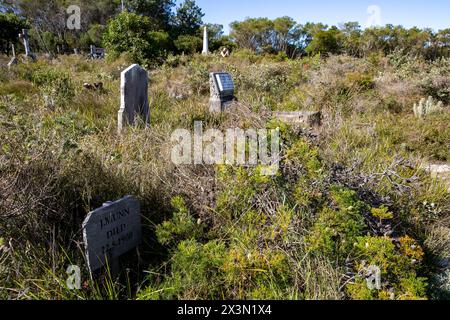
(302, 118)
(97, 53)
(134, 96)
(222, 91)
(205, 41)
(112, 231)
(225, 52)
(14, 60)
(26, 44)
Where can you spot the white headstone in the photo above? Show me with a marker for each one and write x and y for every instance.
(205, 41)
(112, 231)
(222, 91)
(134, 97)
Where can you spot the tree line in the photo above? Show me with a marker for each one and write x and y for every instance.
(287, 36)
(148, 30)
(156, 24)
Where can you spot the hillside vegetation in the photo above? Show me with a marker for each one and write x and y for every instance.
(348, 195)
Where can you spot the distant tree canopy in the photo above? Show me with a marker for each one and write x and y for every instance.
(188, 18)
(170, 28)
(177, 28)
(285, 35)
(159, 11)
(326, 41)
(188, 44)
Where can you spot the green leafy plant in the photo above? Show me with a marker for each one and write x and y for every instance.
(135, 35)
(181, 226)
(56, 86)
(382, 213)
(335, 231)
(398, 262)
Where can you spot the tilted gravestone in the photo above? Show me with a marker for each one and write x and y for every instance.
(26, 44)
(134, 97)
(112, 231)
(14, 60)
(222, 91)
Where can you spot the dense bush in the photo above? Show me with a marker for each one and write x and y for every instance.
(188, 44)
(135, 35)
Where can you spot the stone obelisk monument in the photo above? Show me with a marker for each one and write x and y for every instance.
(205, 42)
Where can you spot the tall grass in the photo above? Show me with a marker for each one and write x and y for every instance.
(60, 160)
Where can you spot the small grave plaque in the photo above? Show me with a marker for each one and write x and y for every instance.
(222, 91)
(112, 231)
(226, 85)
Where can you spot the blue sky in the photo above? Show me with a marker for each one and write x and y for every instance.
(433, 13)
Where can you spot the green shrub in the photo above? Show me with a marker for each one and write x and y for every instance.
(398, 264)
(195, 272)
(181, 227)
(56, 86)
(361, 80)
(382, 213)
(247, 55)
(188, 44)
(335, 231)
(134, 34)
